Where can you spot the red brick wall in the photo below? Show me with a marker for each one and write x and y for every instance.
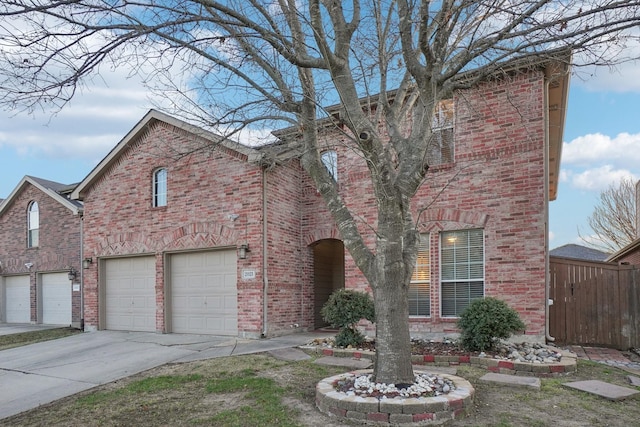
(58, 248)
(633, 258)
(204, 189)
(496, 183)
(290, 295)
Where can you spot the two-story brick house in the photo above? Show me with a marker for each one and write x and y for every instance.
(40, 235)
(227, 241)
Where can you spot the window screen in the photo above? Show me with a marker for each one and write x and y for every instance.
(419, 288)
(462, 270)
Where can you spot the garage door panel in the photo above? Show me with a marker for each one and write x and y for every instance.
(204, 293)
(130, 301)
(17, 299)
(56, 299)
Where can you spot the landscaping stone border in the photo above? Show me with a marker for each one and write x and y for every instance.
(398, 410)
(566, 365)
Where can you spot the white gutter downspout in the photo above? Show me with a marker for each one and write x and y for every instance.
(265, 257)
(547, 275)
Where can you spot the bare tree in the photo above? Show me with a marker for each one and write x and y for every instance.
(613, 220)
(235, 64)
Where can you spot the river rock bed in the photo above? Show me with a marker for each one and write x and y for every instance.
(516, 352)
(425, 385)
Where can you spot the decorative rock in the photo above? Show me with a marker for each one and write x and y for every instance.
(396, 410)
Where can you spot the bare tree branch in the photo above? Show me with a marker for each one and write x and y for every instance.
(238, 65)
(614, 218)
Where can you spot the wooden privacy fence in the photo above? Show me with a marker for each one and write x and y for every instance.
(594, 303)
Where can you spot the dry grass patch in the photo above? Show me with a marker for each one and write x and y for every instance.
(259, 390)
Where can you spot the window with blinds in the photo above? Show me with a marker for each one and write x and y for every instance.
(462, 270)
(419, 299)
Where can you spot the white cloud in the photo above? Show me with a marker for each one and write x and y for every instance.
(596, 179)
(624, 77)
(622, 150)
(621, 78)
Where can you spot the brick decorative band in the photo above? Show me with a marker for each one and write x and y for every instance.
(566, 365)
(398, 410)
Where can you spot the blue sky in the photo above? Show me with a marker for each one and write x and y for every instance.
(602, 139)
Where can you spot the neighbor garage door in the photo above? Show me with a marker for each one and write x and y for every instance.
(56, 299)
(130, 298)
(17, 299)
(204, 295)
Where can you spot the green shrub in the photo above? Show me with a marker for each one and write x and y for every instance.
(344, 309)
(485, 322)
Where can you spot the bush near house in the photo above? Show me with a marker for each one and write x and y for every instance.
(344, 309)
(485, 322)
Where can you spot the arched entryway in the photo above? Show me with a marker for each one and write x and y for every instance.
(328, 274)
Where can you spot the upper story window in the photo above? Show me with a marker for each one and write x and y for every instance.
(330, 161)
(440, 150)
(420, 285)
(160, 187)
(461, 270)
(33, 225)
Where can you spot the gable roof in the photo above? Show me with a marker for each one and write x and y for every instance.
(579, 252)
(57, 191)
(631, 247)
(555, 65)
(152, 117)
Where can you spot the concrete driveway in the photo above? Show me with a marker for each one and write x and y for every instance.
(41, 373)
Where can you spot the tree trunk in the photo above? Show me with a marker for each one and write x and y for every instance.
(391, 291)
(393, 342)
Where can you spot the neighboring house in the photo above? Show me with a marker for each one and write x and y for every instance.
(630, 254)
(579, 252)
(40, 232)
(222, 241)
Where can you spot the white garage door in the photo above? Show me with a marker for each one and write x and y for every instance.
(56, 299)
(204, 294)
(17, 299)
(130, 296)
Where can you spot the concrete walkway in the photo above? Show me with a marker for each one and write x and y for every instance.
(41, 373)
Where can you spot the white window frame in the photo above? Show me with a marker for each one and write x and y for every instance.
(33, 225)
(160, 187)
(442, 135)
(420, 284)
(330, 161)
(462, 266)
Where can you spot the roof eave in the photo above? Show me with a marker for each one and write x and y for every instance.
(137, 131)
(54, 195)
(557, 76)
(624, 251)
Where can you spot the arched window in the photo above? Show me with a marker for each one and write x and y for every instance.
(160, 188)
(33, 225)
(330, 161)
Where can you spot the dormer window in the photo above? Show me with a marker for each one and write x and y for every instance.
(330, 161)
(160, 188)
(33, 225)
(440, 150)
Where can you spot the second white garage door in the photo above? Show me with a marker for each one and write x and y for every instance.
(204, 293)
(130, 296)
(17, 299)
(56, 299)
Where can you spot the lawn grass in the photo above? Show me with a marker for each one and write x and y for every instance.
(26, 338)
(260, 390)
